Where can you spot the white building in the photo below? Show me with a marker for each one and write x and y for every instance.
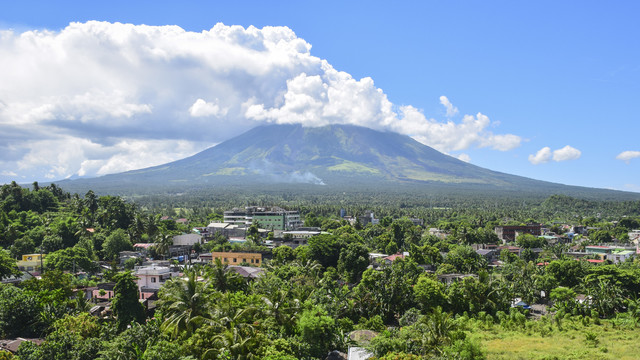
(153, 276)
(634, 236)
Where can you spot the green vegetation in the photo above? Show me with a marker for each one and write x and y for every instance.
(311, 298)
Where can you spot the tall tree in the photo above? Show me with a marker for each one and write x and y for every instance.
(126, 306)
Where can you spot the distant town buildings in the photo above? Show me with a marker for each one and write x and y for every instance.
(273, 218)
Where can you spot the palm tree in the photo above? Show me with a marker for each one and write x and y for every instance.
(232, 344)
(282, 309)
(439, 327)
(221, 278)
(184, 303)
(163, 243)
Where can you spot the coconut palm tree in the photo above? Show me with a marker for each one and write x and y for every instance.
(163, 243)
(184, 303)
(222, 279)
(283, 309)
(232, 344)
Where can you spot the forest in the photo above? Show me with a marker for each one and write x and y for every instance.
(324, 296)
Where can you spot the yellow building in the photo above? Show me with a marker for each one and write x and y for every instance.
(236, 258)
(31, 262)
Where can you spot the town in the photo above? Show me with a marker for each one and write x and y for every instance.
(342, 286)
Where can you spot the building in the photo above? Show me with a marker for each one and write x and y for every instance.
(237, 258)
(634, 236)
(247, 272)
(598, 249)
(152, 277)
(300, 234)
(12, 345)
(450, 278)
(512, 249)
(438, 232)
(509, 233)
(226, 229)
(368, 218)
(269, 218)
(187, 240)
(31, 262)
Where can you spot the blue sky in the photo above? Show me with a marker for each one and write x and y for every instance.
(544, 74)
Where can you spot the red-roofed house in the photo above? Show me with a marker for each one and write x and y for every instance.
(391, 258)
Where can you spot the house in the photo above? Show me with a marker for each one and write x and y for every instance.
(13, 345)
(247, 272)
(449, 278)
(489, 254)
(103, 291)
(17, 279)
(509, 233)
(579, 229)
(391, 258)
(620, 255)
(152, 277)
(513, 249)
(237, 258)
(31, 262)
(126, 255)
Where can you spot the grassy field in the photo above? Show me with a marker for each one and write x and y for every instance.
(574, 340)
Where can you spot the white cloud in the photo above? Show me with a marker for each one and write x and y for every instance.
(451, 110)
(8, 173)
(93, 91)
(464, 157)
(542, 156)
(86, 158)
(545, 155)
(626, 156)
(452, 136)
(566, 153)
(202, 108)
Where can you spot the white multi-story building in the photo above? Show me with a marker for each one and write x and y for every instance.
(153, 276)
(269, 218)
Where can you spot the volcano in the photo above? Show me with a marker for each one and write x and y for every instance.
(332, 155)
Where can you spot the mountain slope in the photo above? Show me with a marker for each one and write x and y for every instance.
(335, 155)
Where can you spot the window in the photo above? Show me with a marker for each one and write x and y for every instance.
(235, 260)
(252, 261)
(29, 258)
(257, 261)
(153, 279)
